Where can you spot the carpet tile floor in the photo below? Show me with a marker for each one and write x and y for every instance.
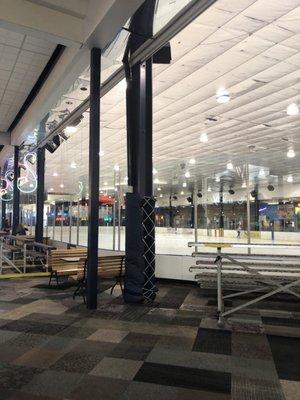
(53, 348)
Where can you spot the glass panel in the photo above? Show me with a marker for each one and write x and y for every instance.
(165, 11)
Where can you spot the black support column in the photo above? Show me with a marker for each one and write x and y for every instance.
(16, 192)
(221, 218)
(40, 195)
(3, 214)
(140, 233)
(94, 147)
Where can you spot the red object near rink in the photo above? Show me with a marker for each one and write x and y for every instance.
(106, 199)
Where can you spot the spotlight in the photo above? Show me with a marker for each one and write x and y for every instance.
(174, 197)
(229, 165)
(222, 96)
(184, 184)
(290, 153)
(270, 188)
(253, 193)
(189, 199)
(231, 191)
(292, 109)
(203, 138)
(199, 194)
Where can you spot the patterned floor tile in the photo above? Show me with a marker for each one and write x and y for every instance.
(97, 387)
(120, 368)
(53, 383)
(149, 391)
(15, 377)
(213, 341)
(248, 345)
(108, 335)
(190, 378)
(255, 389)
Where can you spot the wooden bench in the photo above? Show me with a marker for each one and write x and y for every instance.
(61, 266)
(110, 266)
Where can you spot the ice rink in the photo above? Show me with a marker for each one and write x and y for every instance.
(175, 243)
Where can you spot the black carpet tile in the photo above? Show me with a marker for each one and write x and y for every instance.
(281, 321)
(190, 378)
(286, 355)
(33, 327)
(14, 376)
(213, 341)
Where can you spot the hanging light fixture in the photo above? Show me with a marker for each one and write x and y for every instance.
(229, 165)
(290, 153)
(203, 137)
(222, 96)
(292, 109)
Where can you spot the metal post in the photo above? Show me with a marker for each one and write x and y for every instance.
(47, 223)
(40, 195)
(114, 213)
(16, 198)
(195, 203)
(94, 147)
(248, 209)
(3, 214)
(70, 222)
(119, 211)
(219, 285)
(139, 157)
(54, 216)
(30, 219)
(78, 221)
(221, 218)
(61, 225)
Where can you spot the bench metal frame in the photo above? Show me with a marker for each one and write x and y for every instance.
(256, 274)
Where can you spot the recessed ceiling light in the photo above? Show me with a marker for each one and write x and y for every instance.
(290, 153)
(73, 165)
(229, 165)
(182, 192)
(154, 171)
(55, 174)
(203, 137)
(292, 109)
(187, 174)
(101, 153)
(222, 96)
(290, 178)
(160, 195)
(70, 129)
(61, 185)
(209, 189)
(184, 184)
(159, 189)
(192, 161)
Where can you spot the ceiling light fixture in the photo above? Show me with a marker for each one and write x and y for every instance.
(154, 171)
(244, 185)
(187, 174)
(209, 189)
(292, 109)
(229, 165)
(182, 193)
(192, 161)
(222, 96)
(70, 129)
(290, 153)
(217, 179)
(184, 184)
(116, 167)
(159, 189)
(160, 195)
(203, 137)
(101, 153)
(61, 185)
(290, 179)
(261, 173)
(51, 189)
(73, 165)
(156, 180)
(55, 174)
